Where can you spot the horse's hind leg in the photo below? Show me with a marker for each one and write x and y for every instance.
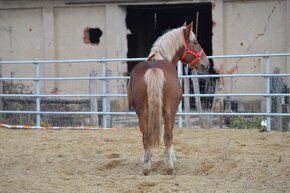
(168, 154)
(147, 162)
(147, 153)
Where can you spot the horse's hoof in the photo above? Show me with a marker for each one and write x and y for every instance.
(170, 171)
(146, 171)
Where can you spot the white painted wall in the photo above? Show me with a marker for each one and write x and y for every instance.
(53, 30)
(69, 23)
(248, 27)
(21, 38)
(45, 29)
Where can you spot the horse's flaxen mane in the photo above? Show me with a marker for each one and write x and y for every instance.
(166, 46)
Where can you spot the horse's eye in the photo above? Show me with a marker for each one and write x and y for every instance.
(195, 42)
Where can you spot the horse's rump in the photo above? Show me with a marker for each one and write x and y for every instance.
(154, 80)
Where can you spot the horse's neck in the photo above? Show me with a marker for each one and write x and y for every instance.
(176, 58)
(155, 55)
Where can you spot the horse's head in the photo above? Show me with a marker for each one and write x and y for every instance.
(191, 52)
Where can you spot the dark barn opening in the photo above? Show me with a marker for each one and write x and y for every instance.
(147, 22)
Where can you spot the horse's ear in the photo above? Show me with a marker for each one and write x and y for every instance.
(189, 27)
(184, 25)
(187, 30)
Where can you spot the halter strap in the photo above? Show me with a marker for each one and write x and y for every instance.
(188, 51)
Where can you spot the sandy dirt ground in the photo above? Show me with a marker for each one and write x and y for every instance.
(100, 161)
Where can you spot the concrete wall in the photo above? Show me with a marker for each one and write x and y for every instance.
(69, 23)
(47, 30)
(21, 37)
(53, 30)
(248, 27)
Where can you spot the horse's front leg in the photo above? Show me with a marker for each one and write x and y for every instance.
(168, 154)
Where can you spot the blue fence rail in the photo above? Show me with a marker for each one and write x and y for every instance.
(105, 113)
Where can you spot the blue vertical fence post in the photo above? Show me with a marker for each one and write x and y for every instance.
(37, 92)
(268, 98)
(104, 92)
(179, 72)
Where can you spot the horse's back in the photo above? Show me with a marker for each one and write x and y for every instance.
(172, 87)
(168, 68)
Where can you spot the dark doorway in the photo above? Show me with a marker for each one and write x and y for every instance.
(147, 22)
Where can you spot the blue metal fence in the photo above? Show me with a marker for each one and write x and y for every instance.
(105, 112)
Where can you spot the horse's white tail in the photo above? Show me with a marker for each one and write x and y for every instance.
(154, 79)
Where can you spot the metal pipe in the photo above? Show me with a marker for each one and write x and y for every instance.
(73, 61)
(232, 75)
(104, 97)
(63, 95)
(268, 98)
(249, 55)
(65, 78)
(133, 113)
(125, 95)
(127, 77)
(37, 93)
(179, 73)
(137, 59)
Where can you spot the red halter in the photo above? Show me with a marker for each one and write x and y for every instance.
(188, 51)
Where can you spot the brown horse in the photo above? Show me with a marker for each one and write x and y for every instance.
(155, 91)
